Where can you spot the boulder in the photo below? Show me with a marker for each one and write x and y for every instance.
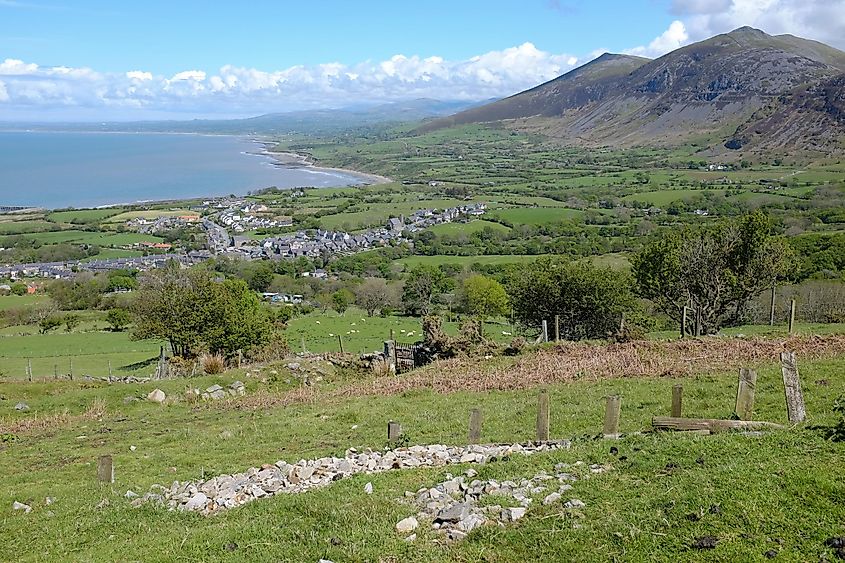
(21, 506)
(407, 525)
(21, 407)
(196, 502)
(156, 396)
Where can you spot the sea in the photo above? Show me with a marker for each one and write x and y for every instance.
(56, 170)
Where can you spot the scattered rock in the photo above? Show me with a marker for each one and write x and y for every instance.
(130, 494)
(129, 399)
(407, 525)
(551, 499)
(840, 553)
(21, 506)
(102, 504)
(715, 509)
(132, 448)
(368, 488)
(771, 554)
(336, 541)
(232, 490)
(835, 542)
(21, 407)
(411, 538)
(226, 435)
(705, 542)
(231, 546)
(693, 517)
(574, 503)
(49, 500)
(196, 502)
(513, 514)
(156, 396)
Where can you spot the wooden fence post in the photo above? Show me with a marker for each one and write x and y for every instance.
(611, 416)
(791, 316)
(684, 322)
(71, 369)
(110, 372)
(29, 369)
(792, 387)
(302, 342)
(105, 469)
(557, 328)
(545, 331)
(340, 342)
(475, 426)
(240, 358)
(677, 400)
(394, 430)
(543, 416)
(772, 307)
(55, 371)
(392, 334)
(745, 394)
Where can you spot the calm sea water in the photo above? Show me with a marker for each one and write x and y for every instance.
(56, 170)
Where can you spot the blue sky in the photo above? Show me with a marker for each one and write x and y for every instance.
(97, 60)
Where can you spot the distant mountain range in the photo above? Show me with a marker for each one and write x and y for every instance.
(742, 90)
(323, 121)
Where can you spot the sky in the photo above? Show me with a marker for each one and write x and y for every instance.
(182, 59)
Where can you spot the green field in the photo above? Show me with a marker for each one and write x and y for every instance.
(535, 215)
(458, 229)
(93, 237)
(84, 216)
(21, 227)
(150, 214)
(14, 301)
(779, 491)
(89, 352)
(366, 334)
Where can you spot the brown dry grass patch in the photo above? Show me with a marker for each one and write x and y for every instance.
(37, 424)
(568, 361)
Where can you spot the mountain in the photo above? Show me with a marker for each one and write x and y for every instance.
(323, 121)
(743, 89)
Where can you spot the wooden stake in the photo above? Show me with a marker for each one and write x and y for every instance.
(745, 394)
(611, 416)
(677, 400)
(475, 426)
(71, 369)
(772, 307)
(545, 331)
(684, 323)
(792, 386)
(713, 425)
(340, 343)
(105, 469)
(29, 369)
(110, 368)
(302, 341)
(394, 430)
(557, 328)
(392, 334)
(791, 316)
(543, 416)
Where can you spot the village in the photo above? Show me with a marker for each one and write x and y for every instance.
(225, 223)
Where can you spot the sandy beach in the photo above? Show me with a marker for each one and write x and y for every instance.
(296, 160)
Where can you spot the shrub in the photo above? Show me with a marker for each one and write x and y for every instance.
(213, 364)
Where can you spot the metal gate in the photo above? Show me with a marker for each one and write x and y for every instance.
(407, 357)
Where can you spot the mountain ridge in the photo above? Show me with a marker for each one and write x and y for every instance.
(732, 88)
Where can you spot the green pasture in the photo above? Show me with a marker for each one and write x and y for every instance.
(84, 216)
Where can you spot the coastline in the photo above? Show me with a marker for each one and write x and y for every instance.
(297, 160)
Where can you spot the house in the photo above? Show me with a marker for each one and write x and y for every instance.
(395, 225)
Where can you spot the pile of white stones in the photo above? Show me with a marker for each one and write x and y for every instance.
(216, 392)
(229, 491)
(453, 506)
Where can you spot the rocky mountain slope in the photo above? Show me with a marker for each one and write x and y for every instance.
(741, 90)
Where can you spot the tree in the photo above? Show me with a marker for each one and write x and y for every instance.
(424, 282)
(48, 324)
(342, 299)
(714, 271)
(71, 322)
(118, 319)
(372, 295)
(484, 297)
(589, 301)
(117, 283)
(189, 309)
(259, 277)
(19, 288)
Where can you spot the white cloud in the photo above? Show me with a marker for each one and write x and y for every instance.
(675, 36)
(232, 90)
(822, 20)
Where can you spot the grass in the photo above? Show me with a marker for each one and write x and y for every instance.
(322, 329)
(15, 301)
(536, 215)
(465, 229)
(779, 491)
(93, 237)
(84, 216)
(151, 214)
(90, 352)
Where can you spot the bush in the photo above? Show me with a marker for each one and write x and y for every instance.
(588, 300)
(213, 364)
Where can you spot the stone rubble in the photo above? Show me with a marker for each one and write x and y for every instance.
(459, 505)
(216, 392)
(230, 491)
(21, 506)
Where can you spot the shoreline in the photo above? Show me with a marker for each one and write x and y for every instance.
(296, 160)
